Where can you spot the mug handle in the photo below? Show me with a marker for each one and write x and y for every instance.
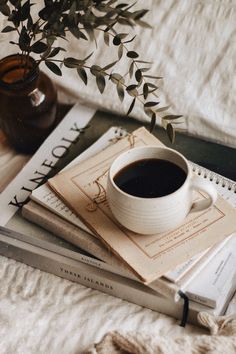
(197, 183)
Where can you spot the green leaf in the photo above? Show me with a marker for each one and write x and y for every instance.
(170, 132)
(132, 90)
(25, 11)
(143, 70)
(54, 52)
(53, 67)
(82, 74)
(29, 23)
(138, 75)
(24, 39)
(45, 54)
(15, 3)
(162, 109)
(51, 40)
(90, 32)
(101, 82)
(144, 62)
(77, 33)
(125, 21)
(130, 6)
(150, 104)
(72, 62)
(153, 122)
(116, 78)
(130, 40)
(149, 112)
(120, 6)
(8, 29)
(153, 90)
(109, 65)
(171, 117)
(139, 14)
(145, 91)
(5, 9)
(88, 56)
(39, 47)
(131, 69)
(143, 24)
(120, 51)
(116, 40)
(131, 87)
(122, 35)
(95, 70)
(131, 106)
(152, 85)
(106, 38)
(120, 91)
(132, 54)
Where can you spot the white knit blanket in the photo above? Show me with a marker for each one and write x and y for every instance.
(223, 340)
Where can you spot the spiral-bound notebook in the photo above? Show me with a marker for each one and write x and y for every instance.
(225, 187)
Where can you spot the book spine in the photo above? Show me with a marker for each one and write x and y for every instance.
(37, 214)
(76, 255)
(76, 236)
(94, 278)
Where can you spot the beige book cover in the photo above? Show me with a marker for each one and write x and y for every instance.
(83, 189)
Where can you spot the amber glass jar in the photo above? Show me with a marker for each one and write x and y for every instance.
(27, 103)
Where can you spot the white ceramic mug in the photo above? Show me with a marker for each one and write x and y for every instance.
(159, 214)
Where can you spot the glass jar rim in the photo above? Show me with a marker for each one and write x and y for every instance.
(10, 62)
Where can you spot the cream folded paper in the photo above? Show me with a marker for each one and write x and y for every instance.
(83, 189)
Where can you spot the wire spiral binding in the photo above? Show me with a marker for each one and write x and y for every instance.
(214, 177)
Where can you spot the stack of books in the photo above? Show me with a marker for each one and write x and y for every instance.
(83, 243)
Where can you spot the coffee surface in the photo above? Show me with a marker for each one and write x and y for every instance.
(150, 178)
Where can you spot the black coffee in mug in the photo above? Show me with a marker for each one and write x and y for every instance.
(150, 178)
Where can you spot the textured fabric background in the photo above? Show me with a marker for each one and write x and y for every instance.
(193, 45)
(42, 313)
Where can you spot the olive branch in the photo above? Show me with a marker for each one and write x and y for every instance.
(84, 19)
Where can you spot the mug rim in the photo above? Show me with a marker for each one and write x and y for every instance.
(111, 179)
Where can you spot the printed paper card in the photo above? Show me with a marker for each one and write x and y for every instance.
(83, 189)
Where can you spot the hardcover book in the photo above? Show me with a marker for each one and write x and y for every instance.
(12, 245)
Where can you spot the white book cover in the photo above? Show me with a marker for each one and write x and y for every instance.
(218, 279)
(36, 170)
